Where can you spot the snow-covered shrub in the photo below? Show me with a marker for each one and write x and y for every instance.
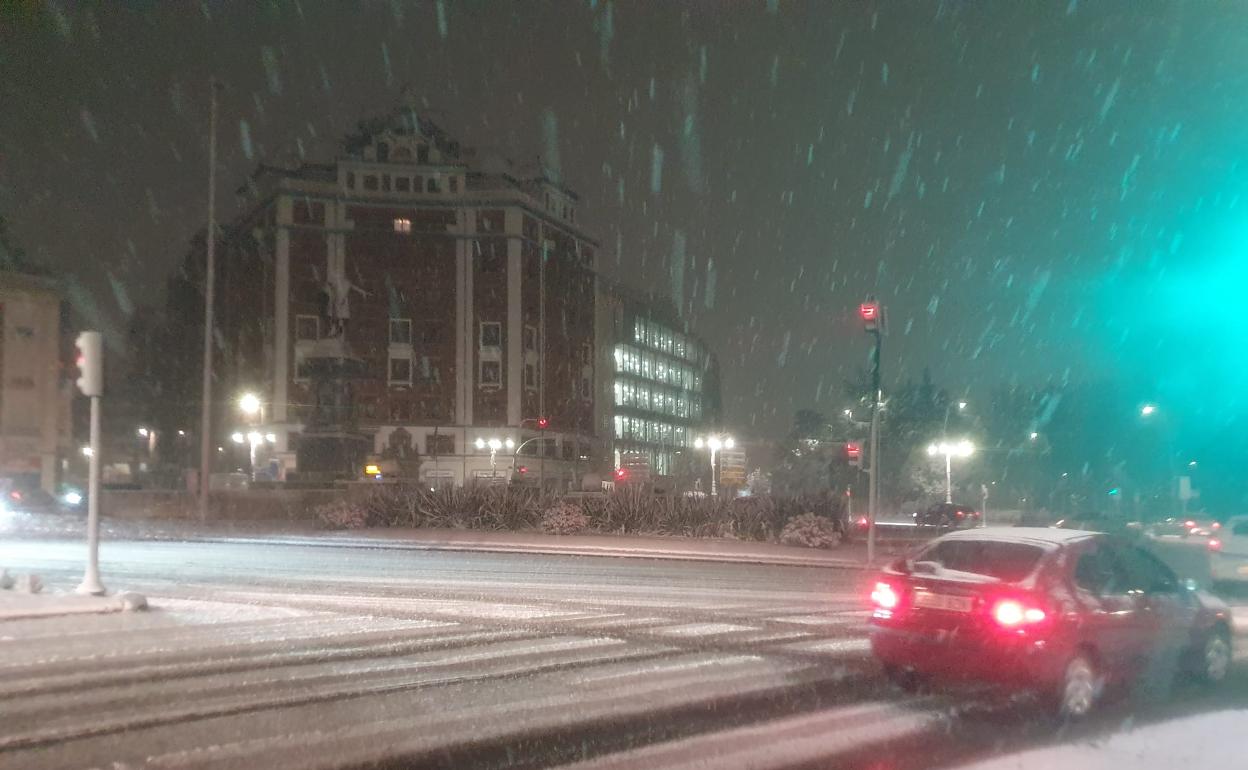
(810, 531)
(564, 518)
(342, 514)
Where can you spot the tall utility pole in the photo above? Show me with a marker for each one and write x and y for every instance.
(870, 313)
(210, 278)
(541, 356)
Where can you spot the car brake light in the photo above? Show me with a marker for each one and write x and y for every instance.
(1216, 525)
(862, 521)
(884, 596)
(1189, 523)
(1215, 544)
(1012, 614)
(961, 514)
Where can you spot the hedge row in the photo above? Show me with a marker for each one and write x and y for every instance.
(627, 511)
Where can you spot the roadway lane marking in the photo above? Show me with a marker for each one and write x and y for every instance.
(823, 620)
(452, 608)
(43, 719)
(831, 646)
(702, 629)
(776, 744)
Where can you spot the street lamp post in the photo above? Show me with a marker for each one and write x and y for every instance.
(950, 450)
(494, 444)
(714, 444)
(251, 405)
(872, 315)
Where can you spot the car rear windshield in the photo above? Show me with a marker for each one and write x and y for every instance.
(1007, 562)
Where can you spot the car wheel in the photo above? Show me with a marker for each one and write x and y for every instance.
(1079, 688)
(906, 679)
(1215, 659)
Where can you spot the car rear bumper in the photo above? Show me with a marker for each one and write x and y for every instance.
(992, 659)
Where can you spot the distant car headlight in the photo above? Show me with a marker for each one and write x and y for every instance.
(71, 498)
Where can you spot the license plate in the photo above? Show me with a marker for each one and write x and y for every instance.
(933, 601)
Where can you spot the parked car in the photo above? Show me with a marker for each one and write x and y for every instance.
(1063, 612)
(949, 516)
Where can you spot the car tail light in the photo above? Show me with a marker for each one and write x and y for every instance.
(885, 597)
(1012, 613)
(1216, 525)
(1189, 523)
(862, 521)
(961, 514)
(1214, 544)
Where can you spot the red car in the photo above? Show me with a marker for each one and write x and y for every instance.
(1061, 611)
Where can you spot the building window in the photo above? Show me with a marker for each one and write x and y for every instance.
(402, 184)
(530, 338)
(491, 374)
(400, 331)
(491, 334)
(587, 387)
(530, 376)
(307, 327)
(370, 181)
(385, 182)
(439, 444)
(454, 184)
(401, 371)
(383, 152)
(350, 180)
(303, 369)
(432, 185)
(422, 153)
(402, 225)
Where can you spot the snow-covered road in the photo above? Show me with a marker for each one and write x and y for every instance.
(288, 655)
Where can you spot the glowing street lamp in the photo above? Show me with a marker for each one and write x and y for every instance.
(1148, 410)
(494, 444)
(950, 450)
(714, 443)
(249, 404)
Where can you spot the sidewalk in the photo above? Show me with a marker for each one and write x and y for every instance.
(850, 556)
(21, 606)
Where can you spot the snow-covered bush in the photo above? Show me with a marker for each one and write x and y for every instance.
(811, 531)
(564, 518)
(342, 514)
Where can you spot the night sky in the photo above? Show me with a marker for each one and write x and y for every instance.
(1040, 192)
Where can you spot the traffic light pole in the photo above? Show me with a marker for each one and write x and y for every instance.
(91, 580)
(873, 480)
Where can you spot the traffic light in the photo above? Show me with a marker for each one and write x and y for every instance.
(853, 453)
(621, 475)
(89, 359)
(869, 312)
(542, 423)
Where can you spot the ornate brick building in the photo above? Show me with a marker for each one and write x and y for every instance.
(466, 287)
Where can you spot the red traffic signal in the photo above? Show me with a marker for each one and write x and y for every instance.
(853, 453)
(542, 423)
(869, 312)
(89, 358)
(621, 474)
(522, 469)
